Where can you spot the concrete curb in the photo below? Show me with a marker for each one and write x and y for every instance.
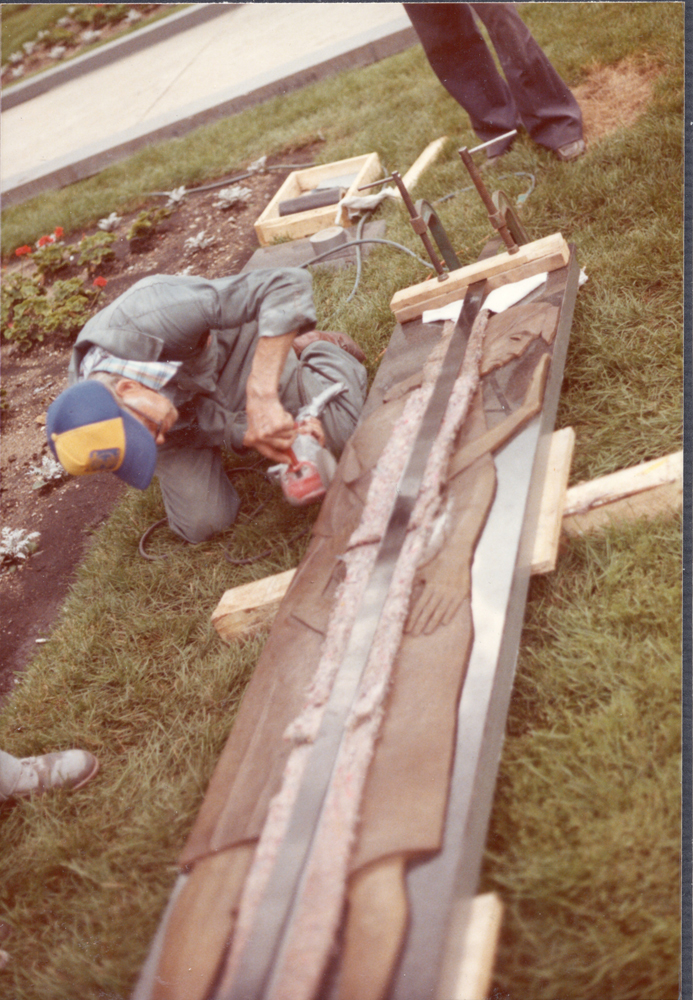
(363, 50)
(112, 51)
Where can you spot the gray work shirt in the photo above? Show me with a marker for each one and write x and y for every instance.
(212, 327)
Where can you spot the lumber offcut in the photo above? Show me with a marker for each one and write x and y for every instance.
(547, 254)
(644, 490)
(545, 554)
(243, 610)
(471, 979)
(429, 155)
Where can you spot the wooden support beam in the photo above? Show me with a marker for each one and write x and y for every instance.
(429, 155)
(246, 609)
(473, 981)
(644, 490)
(548, 534)
(547, 254)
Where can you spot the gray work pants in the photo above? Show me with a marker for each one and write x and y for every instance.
(198, 496)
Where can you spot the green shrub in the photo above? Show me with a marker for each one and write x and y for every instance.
(95, 249)
(51, 258)
(30, 312)
(146, 223)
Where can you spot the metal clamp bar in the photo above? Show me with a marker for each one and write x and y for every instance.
(418, 224)
(492, 142)
(500, 225)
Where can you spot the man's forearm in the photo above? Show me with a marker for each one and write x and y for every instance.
(268, 364)
(270, 428)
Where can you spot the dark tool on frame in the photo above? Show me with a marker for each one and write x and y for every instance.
(500, 212)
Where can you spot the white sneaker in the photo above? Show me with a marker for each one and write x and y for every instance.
(67, 769)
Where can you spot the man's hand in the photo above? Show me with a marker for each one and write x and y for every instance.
(313, 427)
(271, 430)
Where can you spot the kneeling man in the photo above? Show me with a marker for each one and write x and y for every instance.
(178, 368)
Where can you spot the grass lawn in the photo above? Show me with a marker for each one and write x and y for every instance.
(584, 840)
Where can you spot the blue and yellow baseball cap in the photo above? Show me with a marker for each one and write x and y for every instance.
(88, 432)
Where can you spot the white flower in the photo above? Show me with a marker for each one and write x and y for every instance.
(110, 223)
(57, 52)
(258, 166)
(62, 22)
(48, 471)
(89, 36)
(228, 197)
(29, 47)
(175, 197)
(16, 544)
(16, 57)
(133, 15)
(199, 242)
(17, 72)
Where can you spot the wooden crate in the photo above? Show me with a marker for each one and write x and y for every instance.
(270, 225)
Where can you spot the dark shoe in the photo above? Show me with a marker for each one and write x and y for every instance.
(342, 340)
(571, 150)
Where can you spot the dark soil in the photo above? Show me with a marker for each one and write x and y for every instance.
(67, 513)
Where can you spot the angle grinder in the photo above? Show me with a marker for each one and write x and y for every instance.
(311, 467)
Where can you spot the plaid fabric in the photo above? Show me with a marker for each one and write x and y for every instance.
(153, 374)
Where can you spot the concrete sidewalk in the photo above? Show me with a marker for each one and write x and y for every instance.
(240, 57)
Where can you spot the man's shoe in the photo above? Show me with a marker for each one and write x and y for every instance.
(342, 340)
(571, 151)
(67, 769)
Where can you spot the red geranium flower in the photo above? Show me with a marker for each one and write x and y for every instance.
(44, 240)
(58, 232)
(20, 251)
(100, 282)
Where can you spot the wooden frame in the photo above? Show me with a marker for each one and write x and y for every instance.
(547, 254)
(271, 225)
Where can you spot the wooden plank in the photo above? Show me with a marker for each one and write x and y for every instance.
(547, 254)
(644, 490)
(545, 552)
(271, 225)
(429, 155)
(475, 972)
(243, 610)
(661, 471)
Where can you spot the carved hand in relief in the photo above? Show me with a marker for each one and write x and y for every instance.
(446, 585)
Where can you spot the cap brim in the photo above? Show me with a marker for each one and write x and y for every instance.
(137, 468)
(90, 402)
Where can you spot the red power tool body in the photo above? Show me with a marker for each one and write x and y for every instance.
(311, 466)
(310, 473)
